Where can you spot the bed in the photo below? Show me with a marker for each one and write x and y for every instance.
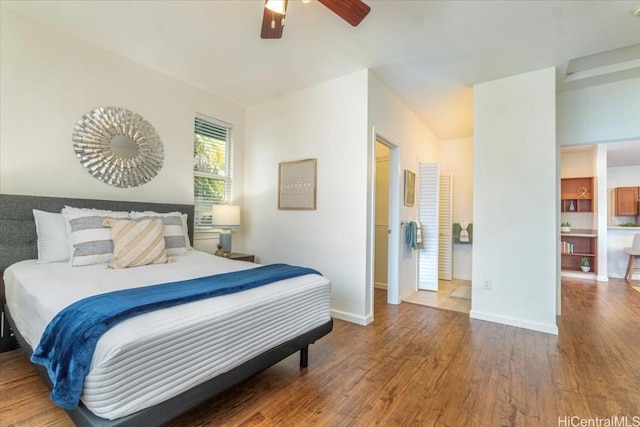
(201, 348)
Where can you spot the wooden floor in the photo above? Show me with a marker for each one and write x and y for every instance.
(421, 366)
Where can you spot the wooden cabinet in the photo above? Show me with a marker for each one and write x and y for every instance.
(627, 201)
(575, 246)
(239, 256)
(576, 194)
(242, 257)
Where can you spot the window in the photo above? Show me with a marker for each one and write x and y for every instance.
(212, 167)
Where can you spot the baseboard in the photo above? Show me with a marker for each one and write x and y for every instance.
(634, 276)
(591, 276)
(540, 327)
(578, 275)
(379, 285)
(369, 318)
(349, 317)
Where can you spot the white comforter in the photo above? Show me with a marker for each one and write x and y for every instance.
(152, 357)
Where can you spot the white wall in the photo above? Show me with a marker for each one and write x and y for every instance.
(515, 201)
(600, 167)
(332, 122)
(623, 176)
(608, 112)
(328, 122)
(392, 120)
(49, 80)
(456, 158)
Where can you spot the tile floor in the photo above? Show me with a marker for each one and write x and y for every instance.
(442, 298)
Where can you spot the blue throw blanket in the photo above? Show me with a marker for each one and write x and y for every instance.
(67, 344)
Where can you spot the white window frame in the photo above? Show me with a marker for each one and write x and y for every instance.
(216, 128)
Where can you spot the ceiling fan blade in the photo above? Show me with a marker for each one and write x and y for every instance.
(352, 11)
(270, 17)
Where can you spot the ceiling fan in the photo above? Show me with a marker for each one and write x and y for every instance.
(352, 11)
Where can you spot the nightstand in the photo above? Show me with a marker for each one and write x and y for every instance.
(242, 257)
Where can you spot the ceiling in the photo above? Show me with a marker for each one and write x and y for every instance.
(625, 153)
(429, 53)
(619, 154)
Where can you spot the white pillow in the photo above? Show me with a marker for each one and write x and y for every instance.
(176, 234)
(53, 239)
(91, 241)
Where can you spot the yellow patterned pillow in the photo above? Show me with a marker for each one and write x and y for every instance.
(137, 243)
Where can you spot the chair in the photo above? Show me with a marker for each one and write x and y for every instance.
(634, 255)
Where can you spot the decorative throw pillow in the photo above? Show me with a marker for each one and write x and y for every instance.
(90, 240)
(176, 235)
(137, 242)
(53, 239)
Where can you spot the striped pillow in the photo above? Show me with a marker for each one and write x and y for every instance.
(176, 236)
(137, 243)
(90, 240)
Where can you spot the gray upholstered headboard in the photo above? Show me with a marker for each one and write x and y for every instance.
(18, 239)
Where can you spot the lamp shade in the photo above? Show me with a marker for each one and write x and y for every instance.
(225, 216)
(277, 6)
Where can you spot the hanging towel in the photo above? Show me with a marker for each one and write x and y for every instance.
(464, 233)
(413, 235)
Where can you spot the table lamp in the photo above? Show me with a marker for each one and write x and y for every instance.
(225, 218)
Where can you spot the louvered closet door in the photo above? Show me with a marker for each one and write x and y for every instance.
(445, 225)
(428, 215)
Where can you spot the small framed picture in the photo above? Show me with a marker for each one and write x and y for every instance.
(297, 185)
(409, 188)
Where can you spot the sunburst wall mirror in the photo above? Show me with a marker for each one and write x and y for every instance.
(118, 147)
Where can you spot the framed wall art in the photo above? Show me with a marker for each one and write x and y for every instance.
(409, 188)
(297, 185)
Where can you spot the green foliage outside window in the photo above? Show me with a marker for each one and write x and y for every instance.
(209, 155)
(211, 175)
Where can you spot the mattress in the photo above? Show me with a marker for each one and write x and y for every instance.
(155, 356)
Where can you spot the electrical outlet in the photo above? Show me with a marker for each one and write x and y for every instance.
(486, 284)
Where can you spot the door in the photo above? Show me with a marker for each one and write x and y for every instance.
(445, 241)
(376, 235)
(428, 212)
(381, 258)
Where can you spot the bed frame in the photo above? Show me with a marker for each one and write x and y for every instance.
(18, 241)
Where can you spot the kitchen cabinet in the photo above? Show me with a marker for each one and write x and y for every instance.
(627, 201)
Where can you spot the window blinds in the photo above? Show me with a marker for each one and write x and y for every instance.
(212, 166)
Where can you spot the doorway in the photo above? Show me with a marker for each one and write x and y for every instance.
(381, 238)
(384, 216)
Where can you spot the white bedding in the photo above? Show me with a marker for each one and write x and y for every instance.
(152, 357)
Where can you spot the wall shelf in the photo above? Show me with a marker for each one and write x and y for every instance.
(576, 194)
(582, 243)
